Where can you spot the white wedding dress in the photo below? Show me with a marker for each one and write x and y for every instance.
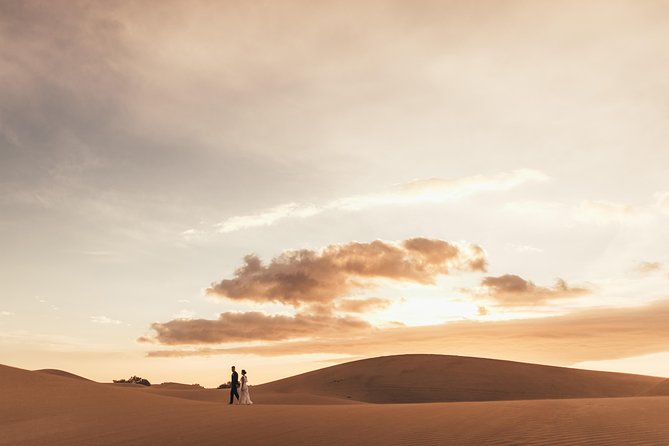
(244, 396)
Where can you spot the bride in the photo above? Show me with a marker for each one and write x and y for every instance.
(244, 397)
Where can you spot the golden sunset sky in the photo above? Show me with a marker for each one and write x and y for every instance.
(284, 185)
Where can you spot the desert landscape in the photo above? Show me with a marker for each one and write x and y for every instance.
(384, 222)
(394, 400)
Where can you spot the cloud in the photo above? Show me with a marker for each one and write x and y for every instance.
(268, 217)
(430, 190)
(438, 190)
(604, 212)
(253, 326)
(104, 320)
(596, 334)
(363, 305)
(512, 290)
(318, 283)
(307, 277)
(648, 267)
(524, 248)
(595, 212)
(185, 314)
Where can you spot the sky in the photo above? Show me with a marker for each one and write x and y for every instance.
(283, 186)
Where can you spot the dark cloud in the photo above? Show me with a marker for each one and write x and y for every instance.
(599, 334)
(512, 290)
(252, 326)
(307, 277)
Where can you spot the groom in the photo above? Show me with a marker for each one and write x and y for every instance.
(234, 383)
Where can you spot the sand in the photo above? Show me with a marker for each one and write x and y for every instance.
(47, 409)
(442, 378)
(62, 373)
(661, 388)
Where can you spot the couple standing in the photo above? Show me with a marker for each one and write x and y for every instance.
(243, 397)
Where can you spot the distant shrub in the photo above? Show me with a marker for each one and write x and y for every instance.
(225, 386)
(133, 380)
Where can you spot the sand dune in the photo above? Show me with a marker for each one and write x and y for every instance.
(222, 396)
(258, 396)
(661, 388)
(62, 373)
(40, 408)
(440, 378)
(177, 386)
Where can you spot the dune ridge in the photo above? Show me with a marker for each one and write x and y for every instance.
(178, 386)
(62, 373)
(660, 389)
(444, 378)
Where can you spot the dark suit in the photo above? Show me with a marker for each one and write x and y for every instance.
(234, 383)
